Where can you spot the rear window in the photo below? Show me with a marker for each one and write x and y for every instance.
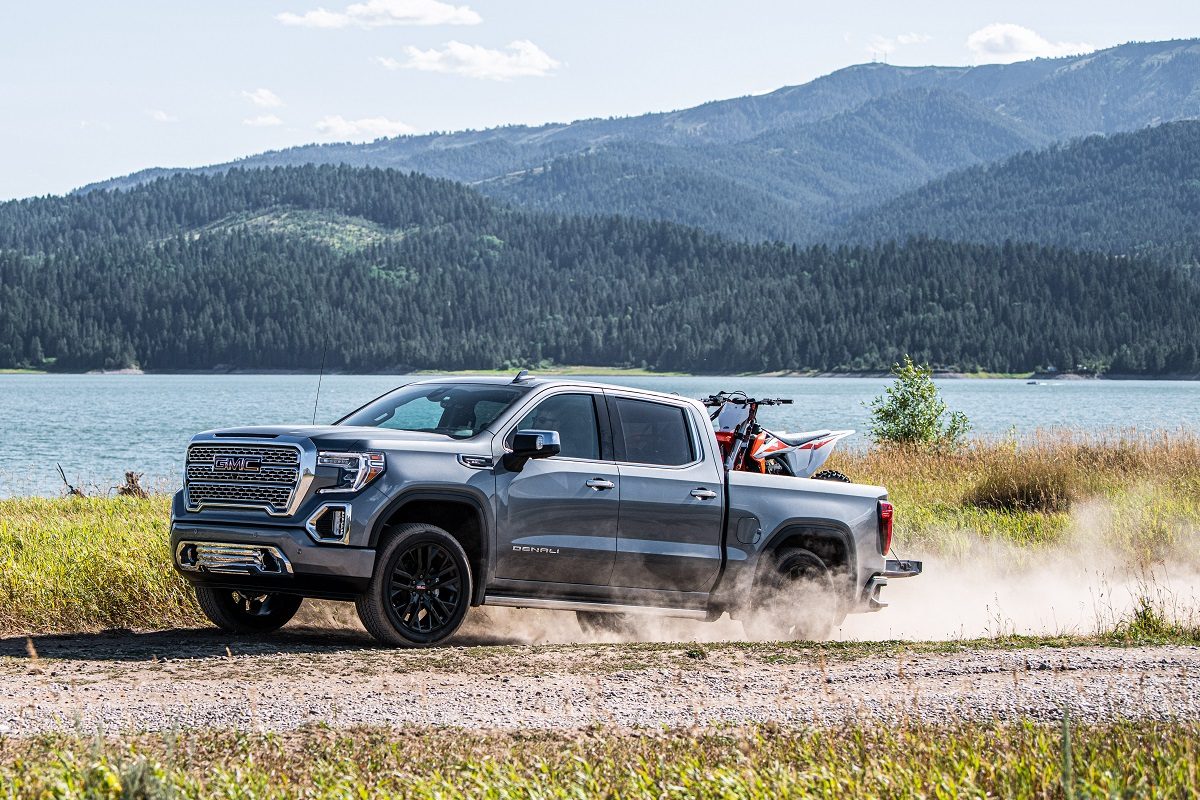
(653, 433)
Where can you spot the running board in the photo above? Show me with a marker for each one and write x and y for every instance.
(583, 605)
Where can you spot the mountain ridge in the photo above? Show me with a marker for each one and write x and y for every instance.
(722, 145)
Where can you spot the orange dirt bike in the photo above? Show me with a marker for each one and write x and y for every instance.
(749, 447)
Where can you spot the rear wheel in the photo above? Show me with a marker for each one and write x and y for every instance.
(795, 599)
(421, 589)
(602, 623)
(831, 475)
(247, 612)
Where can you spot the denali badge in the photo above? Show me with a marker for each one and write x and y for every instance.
(237, 463)
(520, 548)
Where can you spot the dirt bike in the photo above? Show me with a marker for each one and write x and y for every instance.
(749, 447)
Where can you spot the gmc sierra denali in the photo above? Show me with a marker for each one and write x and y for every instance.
(444, 494)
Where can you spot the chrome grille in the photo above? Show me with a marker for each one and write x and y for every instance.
(232, 558)
(214, 478)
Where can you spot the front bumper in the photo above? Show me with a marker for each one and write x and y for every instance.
(269, 559)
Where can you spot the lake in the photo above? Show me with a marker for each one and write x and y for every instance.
(99, 426)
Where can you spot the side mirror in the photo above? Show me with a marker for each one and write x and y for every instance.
(531, 444)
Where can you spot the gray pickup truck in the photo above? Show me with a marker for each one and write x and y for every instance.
(445, 494)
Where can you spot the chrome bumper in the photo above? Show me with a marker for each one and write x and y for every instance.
(229, 558)
(901, 568)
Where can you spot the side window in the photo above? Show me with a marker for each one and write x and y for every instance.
(655, 433)
(574, 417)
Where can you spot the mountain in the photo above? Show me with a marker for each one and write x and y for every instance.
(1131, 193)
(266, 268)
(793, 164)
(791, 184)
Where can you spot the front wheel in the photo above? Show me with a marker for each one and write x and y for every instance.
(247, 612)
(421, 588)
(794, 599)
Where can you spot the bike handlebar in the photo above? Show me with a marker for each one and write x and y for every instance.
(722, 398)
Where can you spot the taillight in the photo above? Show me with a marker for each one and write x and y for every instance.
(886, 512)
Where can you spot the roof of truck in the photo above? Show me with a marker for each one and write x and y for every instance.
(534, 382)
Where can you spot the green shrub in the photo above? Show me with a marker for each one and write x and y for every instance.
(912, 412)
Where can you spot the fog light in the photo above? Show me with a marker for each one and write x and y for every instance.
(330, 524)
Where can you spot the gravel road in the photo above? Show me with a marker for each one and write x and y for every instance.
(128, 681)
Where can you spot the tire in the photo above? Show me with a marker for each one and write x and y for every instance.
(604, 623)
(795, 599)
(245, 612)
(421, 589)
(831, 475)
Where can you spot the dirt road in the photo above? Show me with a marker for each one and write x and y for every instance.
(126, 681)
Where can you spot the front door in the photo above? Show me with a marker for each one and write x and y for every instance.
(557, 517)
(672, 499)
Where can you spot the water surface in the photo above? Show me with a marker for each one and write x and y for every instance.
(99, 426)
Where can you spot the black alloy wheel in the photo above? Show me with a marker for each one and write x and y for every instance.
(421, 589)
(795, 599)
(241, 611)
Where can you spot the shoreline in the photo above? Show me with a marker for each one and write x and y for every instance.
(595, 371)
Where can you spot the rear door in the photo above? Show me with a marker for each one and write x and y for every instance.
(557, 517)
(672, 497)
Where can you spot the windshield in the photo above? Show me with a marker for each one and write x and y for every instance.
(458, 410)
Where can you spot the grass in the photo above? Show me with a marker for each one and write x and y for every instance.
(337, 231)
(86, 563)
(1137, 495)
(908, 760)
(72, 564)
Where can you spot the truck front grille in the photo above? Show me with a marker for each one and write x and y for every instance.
(242, 476)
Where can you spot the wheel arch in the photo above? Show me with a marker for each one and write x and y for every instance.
(459, 512)
(830, 540)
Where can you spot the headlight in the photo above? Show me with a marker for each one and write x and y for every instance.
(355, 470)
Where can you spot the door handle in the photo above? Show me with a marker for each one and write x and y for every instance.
(599, 484)
(703, 494)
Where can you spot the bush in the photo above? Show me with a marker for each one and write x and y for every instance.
(912, 412)
(1025, 485)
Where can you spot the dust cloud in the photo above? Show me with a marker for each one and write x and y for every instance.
(1089, 582)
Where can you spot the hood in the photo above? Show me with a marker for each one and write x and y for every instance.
(346, 436)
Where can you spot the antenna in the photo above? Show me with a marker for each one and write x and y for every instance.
(320, 377)
(522, 375)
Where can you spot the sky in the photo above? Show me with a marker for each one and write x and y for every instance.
(93, 90)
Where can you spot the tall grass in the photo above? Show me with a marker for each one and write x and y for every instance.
(86, 563)
(1140, 492)
(894, 761)
(76, 564)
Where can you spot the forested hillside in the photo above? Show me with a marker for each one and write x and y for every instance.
(1133, 193)
(791, 165)
(263, 268)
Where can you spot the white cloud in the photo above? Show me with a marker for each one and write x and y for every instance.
(342, 129)
(886, 45)
(380, 13)
(263, 98)
(263, 121)
(520, 59)
(1004, 43)
(158, 115)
